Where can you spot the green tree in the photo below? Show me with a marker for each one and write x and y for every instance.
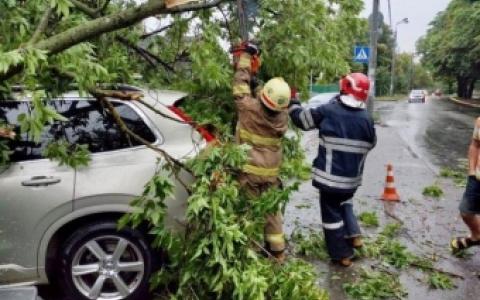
(451, 47)
(49, 45)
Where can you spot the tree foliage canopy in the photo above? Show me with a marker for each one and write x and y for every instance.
(50, 45)
(451, 48)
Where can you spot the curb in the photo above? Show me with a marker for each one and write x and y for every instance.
(465, 103)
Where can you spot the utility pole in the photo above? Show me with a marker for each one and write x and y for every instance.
(372, 65)
(412, 72)
(390, 13)
(394, 54)
(242, 19)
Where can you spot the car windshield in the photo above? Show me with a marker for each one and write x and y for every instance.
(416, 92)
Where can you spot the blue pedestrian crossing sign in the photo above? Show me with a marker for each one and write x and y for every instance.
(361, 54)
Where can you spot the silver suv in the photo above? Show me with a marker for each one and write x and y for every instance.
(59, 224)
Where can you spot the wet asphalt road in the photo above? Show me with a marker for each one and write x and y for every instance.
(439, 130)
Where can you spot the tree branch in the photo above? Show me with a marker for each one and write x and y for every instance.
(104, 6)
(116, 116)
(42, 26)
(430, 268)
(92, 12)
(145, 53)
(227, 24)
(102, 25)
(85, 8)
(161, 29)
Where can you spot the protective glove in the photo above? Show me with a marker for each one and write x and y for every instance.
(250, 48)
(294, 102)
(7, 133)
(246, 47)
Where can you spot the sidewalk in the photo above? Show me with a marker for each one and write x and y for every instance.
(466, 102)
(428, 223)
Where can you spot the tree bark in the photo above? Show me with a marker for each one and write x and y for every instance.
(471, 87)
(110, 23)
(462, 87)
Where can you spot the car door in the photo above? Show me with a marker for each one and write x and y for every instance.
(119, 166)
(34, 192)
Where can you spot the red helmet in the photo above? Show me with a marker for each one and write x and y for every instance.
(354, 89)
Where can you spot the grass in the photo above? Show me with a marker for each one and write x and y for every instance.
(459, 177)
(463, 254)
(387, 249)
(389, 252)
(391, 230)
(375, 285)
(440, 281)
(369, 219)
(312, 245)
(303, 206)
(433, 191)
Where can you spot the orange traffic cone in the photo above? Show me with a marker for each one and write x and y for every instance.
(390, 192)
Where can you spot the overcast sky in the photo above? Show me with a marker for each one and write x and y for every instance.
(419, 12)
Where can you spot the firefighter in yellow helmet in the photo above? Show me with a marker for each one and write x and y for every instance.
(262, 122)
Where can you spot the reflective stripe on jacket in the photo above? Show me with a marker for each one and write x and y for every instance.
(257, 127)
(346, 136)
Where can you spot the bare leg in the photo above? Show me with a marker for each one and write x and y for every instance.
(473, 223)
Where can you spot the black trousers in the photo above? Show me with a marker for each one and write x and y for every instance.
(339, 223)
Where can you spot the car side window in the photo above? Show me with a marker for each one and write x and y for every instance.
(24, 147)
(88, 124)
(93, 125)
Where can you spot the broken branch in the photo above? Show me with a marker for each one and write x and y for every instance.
(42, 26)
(170, 160)
(145, 53)
(431, 268)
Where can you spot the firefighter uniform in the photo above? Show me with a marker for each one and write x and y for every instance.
(346, 136)
(262, 129)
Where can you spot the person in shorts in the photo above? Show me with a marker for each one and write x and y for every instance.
(470, 204)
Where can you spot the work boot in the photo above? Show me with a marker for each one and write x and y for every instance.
(357, 242)
(280, 257)
(344, 262)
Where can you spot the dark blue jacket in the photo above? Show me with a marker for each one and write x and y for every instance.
(346, 136)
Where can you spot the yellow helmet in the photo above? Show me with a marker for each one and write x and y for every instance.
(276, 94)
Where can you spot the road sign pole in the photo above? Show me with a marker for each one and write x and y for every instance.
(372, 66)
(392, 71)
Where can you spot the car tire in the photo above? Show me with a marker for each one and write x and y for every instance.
(98, 261)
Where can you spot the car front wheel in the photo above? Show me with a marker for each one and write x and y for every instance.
(100, 262)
